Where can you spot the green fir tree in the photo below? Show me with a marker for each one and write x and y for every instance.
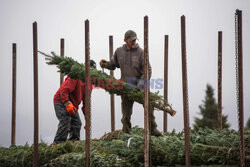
(209, 112)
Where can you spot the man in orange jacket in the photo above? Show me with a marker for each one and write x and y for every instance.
(66, 101)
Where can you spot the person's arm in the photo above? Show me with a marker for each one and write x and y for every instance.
(113, 63)
(68, 87)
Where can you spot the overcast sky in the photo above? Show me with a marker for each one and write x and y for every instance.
(65, 19)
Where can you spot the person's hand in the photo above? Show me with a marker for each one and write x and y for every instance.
(104, 63)
(140, 84)
(71, 109)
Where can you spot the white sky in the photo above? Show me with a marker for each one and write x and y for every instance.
(65, 19)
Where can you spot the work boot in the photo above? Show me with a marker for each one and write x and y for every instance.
(156, 132)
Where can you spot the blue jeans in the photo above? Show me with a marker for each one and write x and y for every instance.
(68, 124)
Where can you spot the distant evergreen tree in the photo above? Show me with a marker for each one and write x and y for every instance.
(209, 112)
(248, 123)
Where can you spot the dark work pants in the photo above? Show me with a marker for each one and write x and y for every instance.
(68, 124)
(127, 107)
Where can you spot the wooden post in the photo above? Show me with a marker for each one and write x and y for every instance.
(62, 55)
(112, 97)
(165, 116)
(87, 95)
(239, 84)
(219, 80)
(147, 158)
(185, 90)
(13, 124)
(35, 160)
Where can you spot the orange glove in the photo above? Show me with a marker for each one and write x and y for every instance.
(104, 63)
(71, 109)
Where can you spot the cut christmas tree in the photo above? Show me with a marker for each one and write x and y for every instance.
(98, 78)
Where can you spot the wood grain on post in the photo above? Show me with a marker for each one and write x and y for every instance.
(240, 87)
(13, 122)
(185, 91)
(36, 119)
(147, 158)
(87, 95)
(219, 80)
(62, 55)
(165, 116)
(112, 96)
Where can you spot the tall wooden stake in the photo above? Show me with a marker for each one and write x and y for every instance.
(112, 97)
(185, 90)
(239, 82)
(87, 95)
(219, 80)
(62, 55)
(35, 160)
(13, 124)
(165, 116)
(147, 158)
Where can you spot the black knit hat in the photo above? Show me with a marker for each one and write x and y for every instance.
(92, 63)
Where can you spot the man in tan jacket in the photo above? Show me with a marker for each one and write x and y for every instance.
(130, 59)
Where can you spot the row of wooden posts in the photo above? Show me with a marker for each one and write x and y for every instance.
(147, 160)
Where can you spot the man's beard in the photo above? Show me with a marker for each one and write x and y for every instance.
(133, 46)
